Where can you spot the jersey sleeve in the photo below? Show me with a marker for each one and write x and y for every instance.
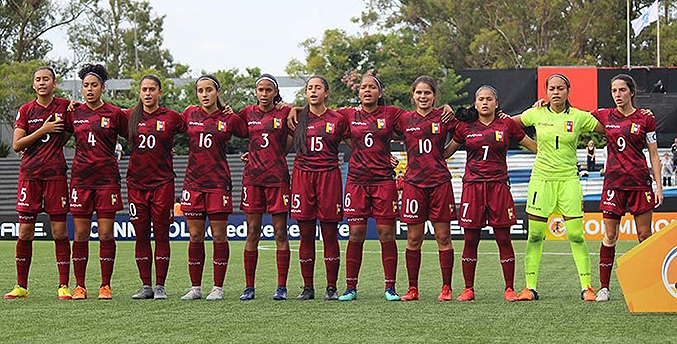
(600, 115)
(345, 127)
(517, 134)
(588, 121)
(459, 133)
(238, 126)
(399, 126)
(244, 112)
(529, 117)
(122, 125)
(650, 123)
(396, 113)
(21, 121)
(181, 122)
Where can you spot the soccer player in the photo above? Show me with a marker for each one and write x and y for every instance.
(39, 133)
(554, 186)
(316, 189)
(207, 186)
(427, 193)
(627, 182)
(486, 198)
(95, 178)
(265, 181)
(150, 183)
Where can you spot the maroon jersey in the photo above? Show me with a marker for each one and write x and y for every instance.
(370, 135)
(208, 134)
(323, 137)
(43, 160)
(268, 133)
(626, 167)
(425, 138)
(486, 147)
(96, 133)
(150, 160)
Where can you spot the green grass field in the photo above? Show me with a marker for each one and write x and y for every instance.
(559, 316)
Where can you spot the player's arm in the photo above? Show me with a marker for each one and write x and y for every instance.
(292, 117)
(528, 143)
(518, 120)
(451, 148)
(652, 145)
(599, 128)
(21, 141)
(289, 144)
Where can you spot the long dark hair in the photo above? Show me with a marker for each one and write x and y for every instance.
(302, 126)
(567, 104)
(630, 81)
(137, 110)
(379, 85)
(217, 84)
(269, 77)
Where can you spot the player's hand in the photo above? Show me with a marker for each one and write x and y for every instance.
(281, 105)
(541, 103)
(659, 198)
(245, 157)
(447, 113)
(358, 108)
(53, 125)
(292, 119)
(502, 115)
(227, 110)
(394, 161)
(72, 105)
(647, 112)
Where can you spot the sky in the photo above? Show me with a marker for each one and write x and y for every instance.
(210, 35)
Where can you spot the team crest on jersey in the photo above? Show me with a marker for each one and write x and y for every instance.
(285, 199)
(634, 128)
(58, 116)
(225, 201)
(394, 206)
(329, 128)
(338, 208)
(160, 125)
(221, 126)
(380, 123)
(113, 199)
(435, 128)
(510, 213)
(570, 126)
(648, 196)
(277, 123)
(105, 122)
(499, 135)
(63, 202)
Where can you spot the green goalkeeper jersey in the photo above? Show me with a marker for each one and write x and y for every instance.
(557, 138)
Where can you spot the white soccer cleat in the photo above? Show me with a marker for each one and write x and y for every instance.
(603, 295)
(216, 294)
(194, 293)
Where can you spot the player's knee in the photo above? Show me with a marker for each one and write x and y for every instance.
(576, 237)
(197, 238)
(105, 236)
(26, 231)
(415, 242)
(386, 236)
(643, 235)
(535, 237)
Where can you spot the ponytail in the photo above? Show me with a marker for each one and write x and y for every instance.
(137, 110)
(301, 129)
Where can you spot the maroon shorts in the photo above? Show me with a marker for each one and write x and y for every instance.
(376, 200)
(615, 202)
(485, 203)
(316, 195)
(194, 201)
(420, 204)
(257, 199)
(35, 196)
(156, 203)
(86, 201)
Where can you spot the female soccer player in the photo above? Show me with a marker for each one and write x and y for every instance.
(554, 186)
(316, 184)
(486, 198)
(95, 179)
(627, 182)
(427, 193)
(39, 133)
(150, 183)
(265, 184)
(207, 186)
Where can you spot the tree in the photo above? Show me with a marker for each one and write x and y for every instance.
(395, 58)
(126, 36)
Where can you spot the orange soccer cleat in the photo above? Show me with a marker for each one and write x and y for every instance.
(104, 293)
(411, 295)
(468, 294)
(527, 294)
(510, 295)
(588, 294)
(79, 293)
(445, 294)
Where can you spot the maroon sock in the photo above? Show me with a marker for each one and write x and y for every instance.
(107, 260)
(507, 254)
(606, 264)
(353, 262)
(62, 249)
(469, 258)
(221, 254)
(332, 251)
(162, 252)
(250, 260)
(283, 257)
(196, 262)
(446, 264)
(24, 254)
(307, 251)
(389, 260)
(80, 257)
(142, 253)
(413, 258)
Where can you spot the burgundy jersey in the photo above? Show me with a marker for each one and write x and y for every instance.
(626, 167)
(370, 135)
(208, 134)
(43, 160)
(323, 137)
(268, 134)
(150, 161)
(425, 138)
(486, 147)
(95, 165)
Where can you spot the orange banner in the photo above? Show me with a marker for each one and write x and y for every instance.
(583, 92)
(593, 226)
